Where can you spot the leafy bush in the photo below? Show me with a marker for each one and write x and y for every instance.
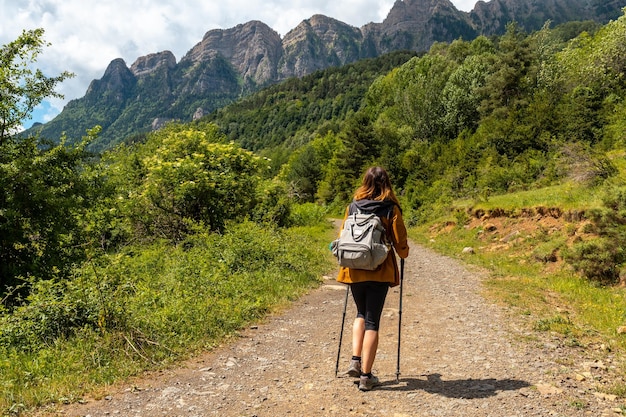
(601, 259)
(307, 214)
(191, 178)
(461, 217)
(272, 207)
(597, 260)
(181, 178)
(53, 310)
(45, 190)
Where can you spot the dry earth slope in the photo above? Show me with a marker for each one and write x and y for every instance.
(460, 356)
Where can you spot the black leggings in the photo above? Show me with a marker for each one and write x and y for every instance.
(369, 298)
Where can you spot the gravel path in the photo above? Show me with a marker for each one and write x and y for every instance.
(461, 356)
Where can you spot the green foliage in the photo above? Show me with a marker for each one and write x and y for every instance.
(45, 190)
(596, 259)
(513, 73)
(190, 177)
(462, 94)
(182, 177)
(307, 214)
(23, 89)
(149, 305)
(273, 205)
(303, 172)
(597, 61)
(418, 96)
(615, 132)
(569, 30)
(53, 310)
(603, 258)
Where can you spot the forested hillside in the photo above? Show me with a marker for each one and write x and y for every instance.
(282, 118)
(175, 238)
(228, 64)
(468, 119)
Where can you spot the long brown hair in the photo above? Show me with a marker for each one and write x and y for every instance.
(376, 186)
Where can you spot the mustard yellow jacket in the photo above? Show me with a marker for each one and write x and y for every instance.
(388, 271)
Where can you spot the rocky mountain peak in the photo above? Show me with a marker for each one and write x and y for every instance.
(250, 47)
(116, 68)
(150, 63)
(116, 79)
(416, 24)
(492, 17)
(317, 43)
(417, 11)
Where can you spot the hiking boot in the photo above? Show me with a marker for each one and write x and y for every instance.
(367, 383)
(355, 369)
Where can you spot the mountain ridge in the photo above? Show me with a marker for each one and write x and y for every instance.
(228, 64)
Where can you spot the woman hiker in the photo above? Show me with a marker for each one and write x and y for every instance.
(369, 288)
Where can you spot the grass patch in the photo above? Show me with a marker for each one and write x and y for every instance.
(556, 298)
(151, 306)
(567, 196)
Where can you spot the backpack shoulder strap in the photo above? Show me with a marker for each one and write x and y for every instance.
(390, 212)
(390, 220)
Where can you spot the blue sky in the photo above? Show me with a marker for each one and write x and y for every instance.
(86, 35)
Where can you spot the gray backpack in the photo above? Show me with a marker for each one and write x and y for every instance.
(362, 242)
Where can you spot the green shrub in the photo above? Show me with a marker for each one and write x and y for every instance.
(461, 217)
(182, 177)
(52, 310)
(602, 258)
(597, 260)
(307, 214)
(614, 198)
(548, 251)
(273, 207)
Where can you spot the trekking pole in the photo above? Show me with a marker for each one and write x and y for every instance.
(400, 318)
(343, 321)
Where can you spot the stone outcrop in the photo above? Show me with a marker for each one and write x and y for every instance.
(148, 64)
(493, 16)
(417, 24)
(253, 49)
(115, 83)
(317, 43)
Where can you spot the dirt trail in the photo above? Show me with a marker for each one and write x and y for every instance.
(460, 356)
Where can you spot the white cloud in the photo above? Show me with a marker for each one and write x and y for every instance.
(466, 5)
(86, 35)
